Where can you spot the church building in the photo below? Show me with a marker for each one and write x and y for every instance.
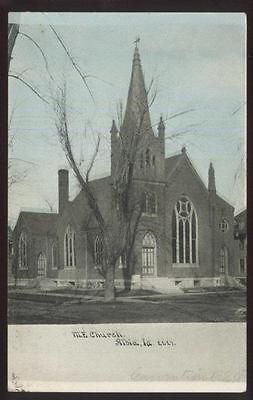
(185, 236)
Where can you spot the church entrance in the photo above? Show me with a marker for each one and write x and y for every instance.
(149, 255)
(42, 265)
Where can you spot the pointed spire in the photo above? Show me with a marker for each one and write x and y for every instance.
(137, 111)
(114, 129)
(211, 179)
(161, 134)
(161, 126)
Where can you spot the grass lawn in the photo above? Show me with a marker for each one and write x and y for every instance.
(214, 307)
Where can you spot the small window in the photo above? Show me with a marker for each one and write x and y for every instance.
(150, 204)
(223, 225)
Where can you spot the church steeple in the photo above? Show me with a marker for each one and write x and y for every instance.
(211, 179)
(137, 111)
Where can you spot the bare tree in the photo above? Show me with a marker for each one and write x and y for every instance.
(118, 230)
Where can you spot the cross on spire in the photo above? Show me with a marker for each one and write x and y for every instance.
(137, 41)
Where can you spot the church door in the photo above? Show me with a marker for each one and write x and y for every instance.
(149, 255)
(42, 265)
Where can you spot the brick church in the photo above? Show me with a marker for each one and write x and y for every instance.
(185, 236)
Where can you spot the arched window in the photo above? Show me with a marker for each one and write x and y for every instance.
(184, 232)
(54, 255)
(149, 254)
(223, 260)
(98, 251)
(69, 248)
(147, 157)
(153, 161)
(42, 265)
(150, 204)
(22, 252)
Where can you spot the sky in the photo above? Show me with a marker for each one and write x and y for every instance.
(197, 62)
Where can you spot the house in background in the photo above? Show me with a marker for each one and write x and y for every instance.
(185, 236)
(241, 246)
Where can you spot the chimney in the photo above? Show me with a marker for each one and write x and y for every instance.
(63, 189)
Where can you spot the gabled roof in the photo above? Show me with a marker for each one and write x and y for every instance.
(171, 163)
(101, 189)
(37, 222)
(174, 162)
(241, 215)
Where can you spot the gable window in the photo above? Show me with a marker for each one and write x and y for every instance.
(184, 233)
(98, 251)
(22, 252)
(149, 254)
(54, 256)
(223, 225)
(69, 248)
(150, 204)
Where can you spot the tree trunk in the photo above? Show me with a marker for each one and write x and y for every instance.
(109, 283)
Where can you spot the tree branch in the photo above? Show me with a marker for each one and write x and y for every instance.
(83, 77)
(29, 86)
(41, 52)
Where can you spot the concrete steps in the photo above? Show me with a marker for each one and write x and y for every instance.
(161, 285)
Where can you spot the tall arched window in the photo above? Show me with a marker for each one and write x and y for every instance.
(150, 204)
(147, 157)
(54, 255)
(149, 254)
(223, 260)
(98, 251)
(22, 252)
(69, 248)
(184, 232)
(42, 265)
